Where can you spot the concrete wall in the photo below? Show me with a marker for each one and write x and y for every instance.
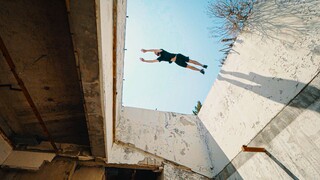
(111, 24)
(105, 42)
(39, 43)
(171, 136)
(174, 172)
(59, 168)
(291, 138)
(83, 19)
(121, 33)
(266, 75)
(129, 155)
(5, 149)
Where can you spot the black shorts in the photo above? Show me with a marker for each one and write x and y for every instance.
(182, 60)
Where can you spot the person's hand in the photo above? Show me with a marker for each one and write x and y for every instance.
(142, 59)
(143, 50)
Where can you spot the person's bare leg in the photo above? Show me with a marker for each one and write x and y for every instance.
(195, 62)
(193, 68)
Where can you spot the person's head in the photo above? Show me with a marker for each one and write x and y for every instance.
(157, 53)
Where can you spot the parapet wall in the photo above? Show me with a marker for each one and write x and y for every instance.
(175, 137)
(267, 94)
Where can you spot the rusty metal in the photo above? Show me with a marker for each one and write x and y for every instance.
(114, 60)
(252, 149)
(26, 92)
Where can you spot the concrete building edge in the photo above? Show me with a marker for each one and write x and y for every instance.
(103, 61)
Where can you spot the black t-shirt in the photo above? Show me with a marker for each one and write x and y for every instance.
(165, 56)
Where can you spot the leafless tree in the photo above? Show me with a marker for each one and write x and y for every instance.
(232, 13)
(230, 17)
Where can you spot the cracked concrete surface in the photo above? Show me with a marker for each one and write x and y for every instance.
(269, 81)
(171, 136)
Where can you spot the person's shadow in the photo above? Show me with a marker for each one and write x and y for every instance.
(276, 89)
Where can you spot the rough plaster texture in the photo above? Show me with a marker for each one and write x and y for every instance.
(121, 154)
(121, 30)
(83, 26)
(37, 36)
(171, 172)
(5, 149)
(172, 136)
(107, 19)
(57, 169)
(27, 160)
(267, 169)
(292, 139)
(272, 61)
(94, 173)
(105, 42)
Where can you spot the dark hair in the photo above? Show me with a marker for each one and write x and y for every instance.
(158, 53)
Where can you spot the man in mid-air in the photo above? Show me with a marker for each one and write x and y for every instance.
(179, 59)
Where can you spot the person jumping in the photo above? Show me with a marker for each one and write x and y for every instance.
(179, 59)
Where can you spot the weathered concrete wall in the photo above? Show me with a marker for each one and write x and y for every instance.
(37, 36)
(105, 42)
(59, 168)
(83, 19)
(171, 172)
(172, 136)
(111, 38)
(292, 138)
(95, 173)
(121, 32)
(128, 155)
(274, 59)
(27, 160)
(5, 149)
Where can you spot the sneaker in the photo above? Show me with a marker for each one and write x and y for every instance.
(205, 66)
(202, 71)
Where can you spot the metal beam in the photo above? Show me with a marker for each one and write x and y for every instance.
(252, 149)
(26, 92)
(114, 69)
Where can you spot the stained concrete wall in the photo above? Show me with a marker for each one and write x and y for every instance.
(37, 36)
(84, 26)
(105, 42)
(111, 21)
(171, 136)
(173, 172)
(129, 155)
(5, 149)
(120, 52)
(111, 24)
(291, 138)
(267, 94)
(59, 168)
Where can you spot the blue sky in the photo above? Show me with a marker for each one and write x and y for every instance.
(178, 26)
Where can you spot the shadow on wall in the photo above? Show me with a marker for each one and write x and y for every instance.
(282, 166)
(223, 167)
(288, 92)
(276, 89)
(285, 18)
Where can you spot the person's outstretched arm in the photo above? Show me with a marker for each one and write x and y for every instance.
(151, 50)
(149, 61)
